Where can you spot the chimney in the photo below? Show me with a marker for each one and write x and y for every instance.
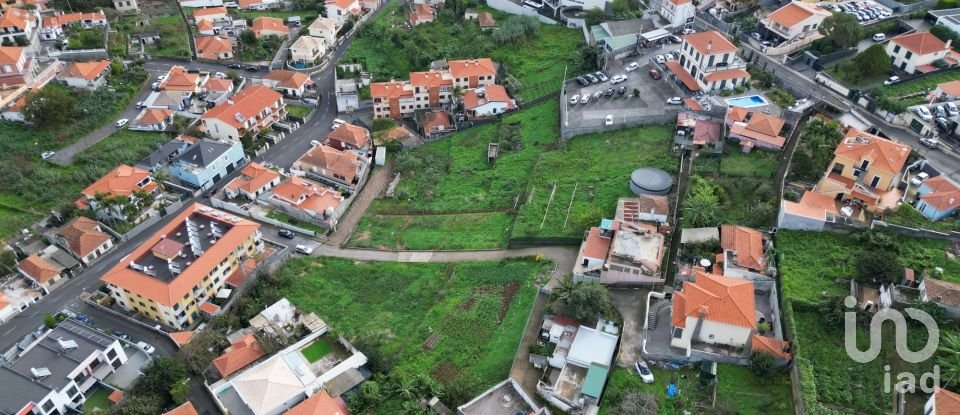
(709, 45)
(949, 41)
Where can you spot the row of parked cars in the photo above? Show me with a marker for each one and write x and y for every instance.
(940, 116)
(863, 12)
(587, 97)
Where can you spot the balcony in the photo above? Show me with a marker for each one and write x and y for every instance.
(735, 63)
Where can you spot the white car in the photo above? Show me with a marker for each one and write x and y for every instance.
(146, 347)
(575, 99)
(632, 67)
(924, 113)
(121, 122)
(643, 371)
(314, 143)
(47, 154)
(303, 249)
(161, 78)
(952, 109)
(609, 120)
(585, 98)
(919, 178)
(675, 101)
(660, 59)
(879, 37)
(892, 80)
(155, 86)
(220, 75)
(618, 79)
(689, 31)
(930, 142)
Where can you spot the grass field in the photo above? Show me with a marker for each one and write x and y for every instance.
(174, 41)
(306, 16)
(317, 350)
(908, 216)
(477, 310)
(390, 51)
(738, 391)
(283, 217)
(298, 110)
(98, 401)
(419, 232)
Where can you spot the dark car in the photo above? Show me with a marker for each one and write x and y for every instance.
(621, 90)
(609, 93)
(235, 66)
(943, 124)
(591, 78)
(286, 233)
(120, 335)
(252, 68)
(655, 74)
(582, 81)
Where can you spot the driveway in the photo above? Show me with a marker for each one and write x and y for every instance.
(631, 303)
(127, 373)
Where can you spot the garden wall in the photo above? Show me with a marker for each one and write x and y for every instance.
(508, 6)
(898, 7)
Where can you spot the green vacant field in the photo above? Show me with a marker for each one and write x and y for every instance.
(98, 401)
(908, 216)
(390, 51)
(738, 391)
(474, 311)
(453, 178)
(298, 110)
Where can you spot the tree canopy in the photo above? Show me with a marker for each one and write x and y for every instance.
(49, 107)
(873, 61)
(842, 29)
(583, 301)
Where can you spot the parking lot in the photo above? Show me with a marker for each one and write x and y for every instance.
(649, 102)
(866, 12)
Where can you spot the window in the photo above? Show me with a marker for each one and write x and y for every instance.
(875, 181)
(112, 354)
(837, 168)
(47, 406)
(72, 391)
(896, 50)
(908, 55)
(865, 164)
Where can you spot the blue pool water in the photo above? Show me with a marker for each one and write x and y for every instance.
(747, 102)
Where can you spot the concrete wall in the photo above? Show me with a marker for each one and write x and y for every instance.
(508, 6)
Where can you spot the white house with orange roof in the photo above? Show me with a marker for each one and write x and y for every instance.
(939, 197)
(269, 26)
(627, 250)
(307, 50)
(349, 137)
(947, 91)
(84, 238)
(865, 171)
(918, 52)
(340, 9)
(713, 310)
(755, 130)
(288, 83)
(43, 273)
(122, 181)
(152, 119)
(811, 213)
(308, 200)
(421, 13)
(213, 14)
(709, 62)
(18, 23)
(678, 12)
(795, 20)
(253, 181)
(52, 26)
(325, 29)
(344, 169)
(85, 75)
(743, 252)
(487, 101)
(206, 27)
(16, 67)
(179, 79)
(252, 110)
(214, 47)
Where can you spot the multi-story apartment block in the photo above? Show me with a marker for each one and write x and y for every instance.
(709, 62)
(16, 23)
(252, 110)
(431, 89)
(392, 99)
(174, 272)
(473, 73)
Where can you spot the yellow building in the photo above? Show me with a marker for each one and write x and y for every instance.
(865, 171)
(177, 270)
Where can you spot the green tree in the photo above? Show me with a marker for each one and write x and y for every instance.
(594, 16)
(762, 364)
(179, 391)
(878, 266)
(587, 302)
(702, 205)
(49, 107)
(842, 30)
(873, 61)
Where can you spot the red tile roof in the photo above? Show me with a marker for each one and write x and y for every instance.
(154, 116)
(121, 181)
(9, 55)
(486, 19)
(308, 195)
(289, 79)
(775, 347)
(684, 76)
(472, 67)
(491, 93)
(115, 397)
(736, 114)
(15, 18)
(951, 88)
(886, 155)
(436, 120)
(712, 40)
(247, 103)
(39, 269)
(392, 89)
(181, 337)
(185, 409)
(942, 292)
(83, 236)
(747, 243)
(431, 79)
(794, 13)
(920, 43)
(343, 163)
(716, 298)
(65, 19)
(945, 402)
(178, 79)
(596, 246)
(944, 195)
(209, 11)
(320, 404)
(85, 70)
(354, 135)
(218, 85)
(211, 47)
(241, 353)
(272, 24)
(726, 75)
(252, 178)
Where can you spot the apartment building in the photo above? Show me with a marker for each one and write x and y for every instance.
(252, 110)
(430, 89)
(20, 23)
(709, 62)
(174, 272)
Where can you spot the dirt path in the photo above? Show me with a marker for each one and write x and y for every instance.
(377, 182)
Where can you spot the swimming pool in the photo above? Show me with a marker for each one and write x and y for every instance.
(747, 102)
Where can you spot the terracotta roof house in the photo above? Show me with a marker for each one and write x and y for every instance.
(40, 271)
(185, 409)
(181, 338)
(487, 101)
(486, 20)
(392, 99)
(796, 19)
(340, 9)
(85, 239)
(727, 303)
(349, 137)
(307, 50)
(743, 250)
(178, 267)
(16, 22)
(736, 114)
(254, 109)
(420, 13)
(436, 122)
(254, 180)
(473, 73)
(709, 62)
(52, 26)
(760, 130)
(205, 27)
(179, 79)
(643, 208)
(85, 75)
(865, 169)
(152, 119)
(320, 404)
(123, 180)
(432, 88)
(949, 91)
(214, 47)
(289, 83)
(942, 402)
(218, 85)
(942, 293)
(308, 200)
(215, 14)
(329, 165)
(269, 26)
(777, 348)
(812, 212)
(621, 252)
(918, 52)
(241, 353)
(939, 198)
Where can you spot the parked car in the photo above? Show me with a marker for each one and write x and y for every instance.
(670, 57)
(574, 99)
(924, 113)
(121, 122)
(235, 66)
(582, 81)
(591, 78)
(930, 142)
(155, 86)
(161, 78)
(601, 76)
(879, 37)
(632, 66)
(303, 249)
(252, 68)
(756, 35)
(608, 93)
(952, 109)
(660, 59)
(585, 98)
(675, 39)
(609, 120)
(47, 154)
(141, 105)
(689, 31)
(655, 74)
(643, 371)
(146, 347)
(121, 335)
(596, 95)
(919, 178)
(286, 233)
(943, 124)
(621, 90)
(675, 101)
(892, 80)
(220, 75)
(83, 319)
(618, 79)
(940, 112)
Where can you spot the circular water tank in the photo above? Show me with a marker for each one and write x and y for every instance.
(650, 181)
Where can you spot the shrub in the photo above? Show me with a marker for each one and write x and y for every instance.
(762, 364)
(739, 90)
(726, 92)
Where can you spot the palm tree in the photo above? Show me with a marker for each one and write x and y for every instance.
(457, 94)
(565, 289)
(405, 388)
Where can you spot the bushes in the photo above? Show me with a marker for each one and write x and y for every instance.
(517, 29)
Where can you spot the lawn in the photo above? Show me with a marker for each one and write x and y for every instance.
(926, 84)
(283, 217)
(174, 41)
(98, 401)
(474, 311)
(909, 216)
(421, 232)
(298, 110)
(317, 350)
(390, 51)
(306, 16)
(811, 261)
(738, 391)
